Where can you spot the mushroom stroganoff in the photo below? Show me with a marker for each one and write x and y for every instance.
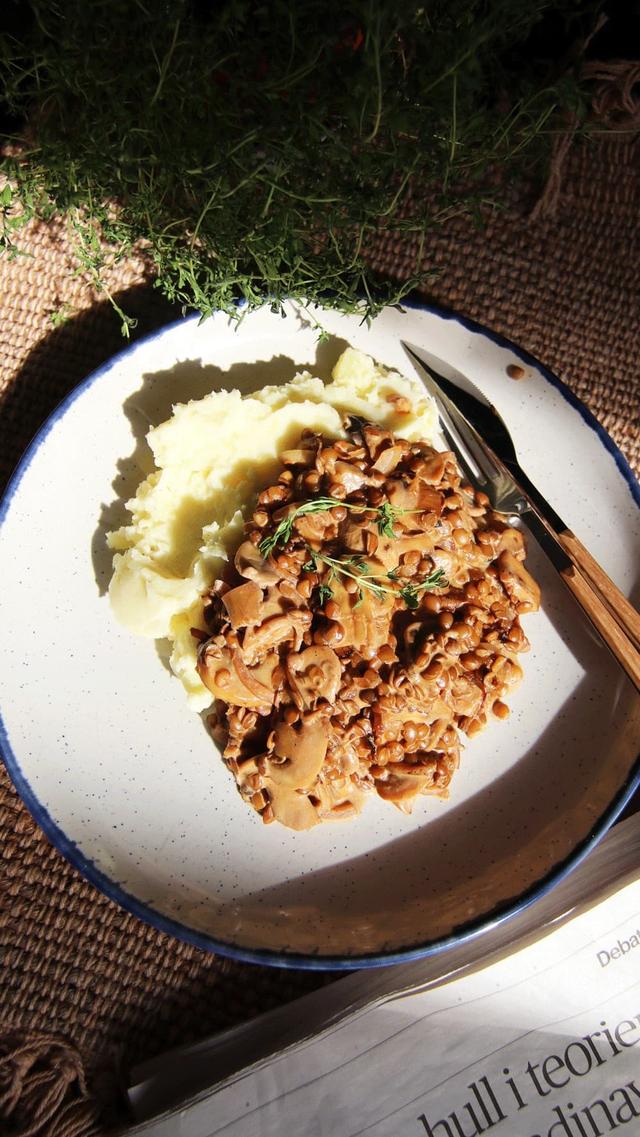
(371, 616)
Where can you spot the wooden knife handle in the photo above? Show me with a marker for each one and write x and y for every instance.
(625, 614)
(602, 619)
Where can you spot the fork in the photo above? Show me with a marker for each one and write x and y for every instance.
(510, 492)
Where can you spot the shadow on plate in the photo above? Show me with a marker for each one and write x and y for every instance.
(548, 775)
(65, 357)
(152, 404)
(509, 836)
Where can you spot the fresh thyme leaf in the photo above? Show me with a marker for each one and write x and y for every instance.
(280, 536)
(353, 565)
(359, 564)
(412, 591)
(410, 596)
(436, 579)
(316, 505)
(267, 545)
(324, 593)
(386, 517)
(282, 532)
(377, 589)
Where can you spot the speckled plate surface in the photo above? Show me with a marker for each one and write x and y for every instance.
(123, 777)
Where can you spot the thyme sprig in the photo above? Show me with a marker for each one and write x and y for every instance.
(413, 590)
(353, 566)
(283, 531)
(356, 568)
(386, 515)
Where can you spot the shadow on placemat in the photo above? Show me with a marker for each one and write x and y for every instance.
(64, 358)
(565, 288)
(86, 989)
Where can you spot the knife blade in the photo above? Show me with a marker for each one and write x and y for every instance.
(484, 420)
(458, 400)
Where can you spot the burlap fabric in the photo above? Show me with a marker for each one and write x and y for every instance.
(565, 287)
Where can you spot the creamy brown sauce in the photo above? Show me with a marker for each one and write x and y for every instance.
(372, 617)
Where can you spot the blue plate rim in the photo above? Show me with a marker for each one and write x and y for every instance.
(283, 958)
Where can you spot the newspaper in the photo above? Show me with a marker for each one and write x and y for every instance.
(533, 1030)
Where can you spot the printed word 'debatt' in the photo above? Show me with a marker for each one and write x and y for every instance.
(619, 949)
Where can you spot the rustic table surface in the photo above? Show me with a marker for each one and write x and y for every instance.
(565, 287)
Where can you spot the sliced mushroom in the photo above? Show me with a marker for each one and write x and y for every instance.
(314, 674)
(363, 621)
(290, 808)
(375, 437)
(259, 679)
(251, 564)
(248, 768)
(355, 536)
(339, 799)
(401, 495)
(273, 603)
(341, 809)
(274, 632)
(315, 527)
(433, 468)
(388, 459)
(512, 541)
(415, 635)
(425, 767)
(225, 674)
(403, 790)
(448, 763)
(417, 495)
(304, 747)
(520, 586)
(298, 457)
(391, 550)
(351, 477)
(243, 604)
(429, 499)
(288, 593)
(466, 696)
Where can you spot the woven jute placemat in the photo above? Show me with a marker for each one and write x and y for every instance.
(87, 989)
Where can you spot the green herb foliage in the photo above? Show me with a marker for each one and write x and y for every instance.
(357, 568)
(385, 515)
(249, 150)
(284, 529)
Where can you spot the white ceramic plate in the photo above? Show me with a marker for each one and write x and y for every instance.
(122, 776)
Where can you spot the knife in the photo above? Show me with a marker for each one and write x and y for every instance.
(468, 417)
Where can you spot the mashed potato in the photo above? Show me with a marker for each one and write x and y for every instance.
(212, 457)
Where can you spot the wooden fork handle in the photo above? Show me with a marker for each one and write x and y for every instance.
(625, 614)
(604, 622)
